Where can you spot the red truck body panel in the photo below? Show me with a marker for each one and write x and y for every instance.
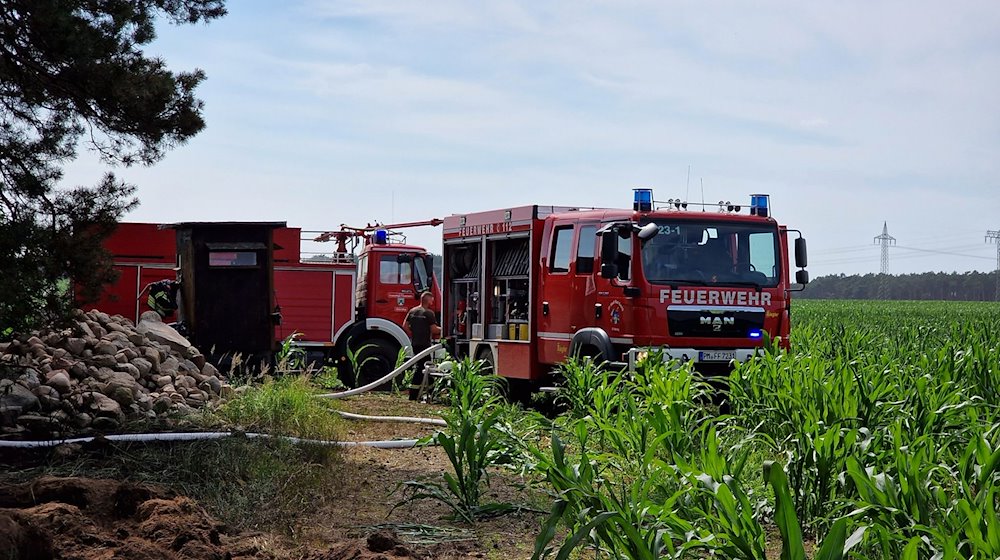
(316, 299)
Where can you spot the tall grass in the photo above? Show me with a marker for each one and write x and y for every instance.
(285, 406)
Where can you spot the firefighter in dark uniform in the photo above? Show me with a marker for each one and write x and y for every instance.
(163, 297)
(421, 326)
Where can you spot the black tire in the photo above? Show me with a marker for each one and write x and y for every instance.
(375, 359)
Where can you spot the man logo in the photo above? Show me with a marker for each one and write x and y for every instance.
(717, 322)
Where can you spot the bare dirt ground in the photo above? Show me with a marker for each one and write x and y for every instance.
(91, 518)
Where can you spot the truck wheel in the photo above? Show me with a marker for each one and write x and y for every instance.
(375, 359)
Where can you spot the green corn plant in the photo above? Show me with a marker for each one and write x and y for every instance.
(834, 546)
(920, 505)
(472, 448)
(475, 441)
(603, 511)
(289, 357)
(588, 388)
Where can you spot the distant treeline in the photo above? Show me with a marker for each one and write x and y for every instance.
(966, 286)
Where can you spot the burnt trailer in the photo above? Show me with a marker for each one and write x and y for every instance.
(227, 291)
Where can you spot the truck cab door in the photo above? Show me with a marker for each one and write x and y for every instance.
(390, 288)
(555, 295)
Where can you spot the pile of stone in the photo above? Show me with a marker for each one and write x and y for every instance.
(99, 373)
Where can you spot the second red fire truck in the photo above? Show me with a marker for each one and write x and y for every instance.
(526, 287)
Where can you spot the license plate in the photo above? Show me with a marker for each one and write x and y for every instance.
(716, 355)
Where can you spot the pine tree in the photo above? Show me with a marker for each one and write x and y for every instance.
(72, 73)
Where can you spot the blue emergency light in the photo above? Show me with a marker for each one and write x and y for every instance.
(381, 237)
(755, 334)
(759, 204)
(643, 200)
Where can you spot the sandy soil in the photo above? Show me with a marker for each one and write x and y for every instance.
(85, 518)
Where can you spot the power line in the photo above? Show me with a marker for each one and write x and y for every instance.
(943, 252)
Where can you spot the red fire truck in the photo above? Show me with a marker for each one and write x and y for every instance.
(355, 298)
(526, 287)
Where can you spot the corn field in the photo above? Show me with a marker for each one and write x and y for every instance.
(876, 437)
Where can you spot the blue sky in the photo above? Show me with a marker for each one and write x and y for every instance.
(848, 114)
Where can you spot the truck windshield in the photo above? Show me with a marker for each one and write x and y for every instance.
(685, 252)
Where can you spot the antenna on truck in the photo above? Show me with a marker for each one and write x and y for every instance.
(702, 194)
(687, 185)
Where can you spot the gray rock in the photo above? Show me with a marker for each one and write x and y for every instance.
(137, 339)
(164, 380)
(82, 420)
(159, 332)
(104, 424)
(46, 391)
(17, 395)
(122, 379)
(103, 374)
(86, 330)
(76, 346)
(169, 366)
(208, 370)
(195, 356)
(58, 380)
(29, 379)
(38, 423)
(49, 403)
(106, 347)
(122, 395)
(103, 405)
(118, 338)
(150, 317)
(214, 385)
(162, 404)
(104, 360)
(143, 365)
(153, 356)
(129, 369)
(62, 362)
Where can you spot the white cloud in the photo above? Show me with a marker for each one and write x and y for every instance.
(849, 113)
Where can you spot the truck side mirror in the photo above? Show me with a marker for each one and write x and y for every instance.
(801, 259)
(429, 265)
(609, 254)
(802, 277)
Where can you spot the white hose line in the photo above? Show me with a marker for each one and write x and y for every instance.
(196, 436)
(411, 419)
(392, 374)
